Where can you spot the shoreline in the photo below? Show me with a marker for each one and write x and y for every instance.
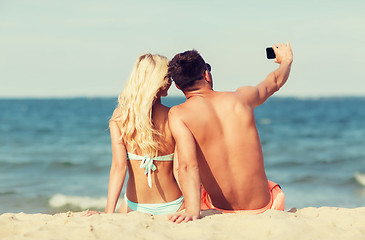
(306, 223)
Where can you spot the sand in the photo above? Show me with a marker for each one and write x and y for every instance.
(307, 223)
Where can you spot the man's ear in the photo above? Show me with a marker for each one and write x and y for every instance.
(177, 86)
(207, 76)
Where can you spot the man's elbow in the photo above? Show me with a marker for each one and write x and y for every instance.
(187, 168)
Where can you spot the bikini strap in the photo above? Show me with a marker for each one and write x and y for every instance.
(169, 157)
(148, 165)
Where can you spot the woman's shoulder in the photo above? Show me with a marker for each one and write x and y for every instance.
(113, 121)
(160, 111)
(117, 111)
(165, 108)
(116, 114)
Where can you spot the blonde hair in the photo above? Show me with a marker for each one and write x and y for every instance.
(134, 111)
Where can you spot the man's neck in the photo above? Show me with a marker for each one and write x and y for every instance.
(204, 91)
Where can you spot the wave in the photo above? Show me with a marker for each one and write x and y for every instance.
(60, 200)
(7, 193)
(65, 164)
(8, 164)
(360, 178)
(53, 164)
(78, 202)
(264, 121)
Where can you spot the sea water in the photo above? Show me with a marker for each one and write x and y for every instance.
(55, 154)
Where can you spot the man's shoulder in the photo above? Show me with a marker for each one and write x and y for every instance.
(184, 111)
(246, 90)
(238, 96)
(176, 110)
(247, 94)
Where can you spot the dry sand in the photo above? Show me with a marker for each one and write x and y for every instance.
(307, 223)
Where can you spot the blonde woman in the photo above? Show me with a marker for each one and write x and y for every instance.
(142, 143)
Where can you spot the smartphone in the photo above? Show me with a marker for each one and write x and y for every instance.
(270, 54)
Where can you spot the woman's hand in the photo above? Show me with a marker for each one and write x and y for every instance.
(89, 213)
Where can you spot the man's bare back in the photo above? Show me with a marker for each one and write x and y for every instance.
(218, 143)
(228, 150)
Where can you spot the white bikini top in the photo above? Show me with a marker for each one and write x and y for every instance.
(147, 163)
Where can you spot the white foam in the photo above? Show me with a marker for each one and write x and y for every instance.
(264, 121)
(360, 178)
(83, 202)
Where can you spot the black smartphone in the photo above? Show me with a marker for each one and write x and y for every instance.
(270, 54)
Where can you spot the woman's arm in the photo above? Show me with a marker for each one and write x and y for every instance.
(118, 168)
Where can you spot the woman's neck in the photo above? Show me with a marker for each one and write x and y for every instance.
(157, 102)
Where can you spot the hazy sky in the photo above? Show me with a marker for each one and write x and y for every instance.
(87, 48)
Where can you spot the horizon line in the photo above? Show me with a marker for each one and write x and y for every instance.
(172, 96)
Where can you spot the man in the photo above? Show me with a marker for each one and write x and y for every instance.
(217, 142)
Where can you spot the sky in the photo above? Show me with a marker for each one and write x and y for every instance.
(87, 48)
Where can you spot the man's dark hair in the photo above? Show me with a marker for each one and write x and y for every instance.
(185, 68)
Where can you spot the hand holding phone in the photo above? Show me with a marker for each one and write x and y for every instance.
(282, 52)
(270, 54)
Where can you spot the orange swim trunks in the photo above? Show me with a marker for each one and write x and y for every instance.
(276, 203)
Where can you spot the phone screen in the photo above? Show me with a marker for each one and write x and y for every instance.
(270, 54)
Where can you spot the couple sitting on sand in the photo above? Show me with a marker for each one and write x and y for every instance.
(202, 154)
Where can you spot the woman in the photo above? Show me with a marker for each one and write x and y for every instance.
(143, 144)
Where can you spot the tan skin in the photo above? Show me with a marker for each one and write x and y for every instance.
(164, 185)
(218, 143)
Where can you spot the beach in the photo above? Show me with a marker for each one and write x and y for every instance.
(308, 223)
(55, 164)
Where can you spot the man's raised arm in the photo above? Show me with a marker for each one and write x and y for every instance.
(274, 81)
(188, 170)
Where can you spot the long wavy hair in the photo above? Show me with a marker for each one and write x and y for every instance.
(134, 111)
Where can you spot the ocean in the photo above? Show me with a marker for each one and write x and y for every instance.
(55, 154)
